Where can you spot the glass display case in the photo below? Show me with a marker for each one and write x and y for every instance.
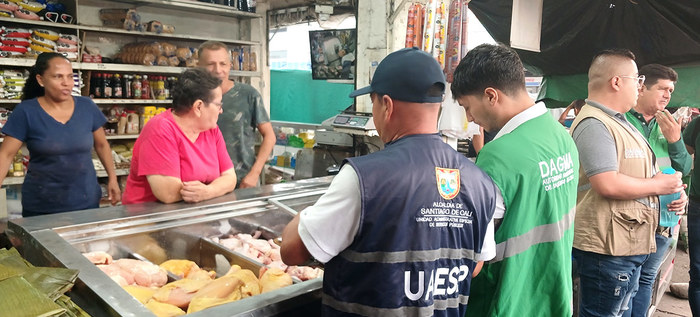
(155, 232)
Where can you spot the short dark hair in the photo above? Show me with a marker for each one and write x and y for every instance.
(654, 72)
(32, 89)
(192, 85)
(486, 66)
(212, 46)
(618, 52)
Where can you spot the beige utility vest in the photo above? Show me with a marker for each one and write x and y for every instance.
(611, 226)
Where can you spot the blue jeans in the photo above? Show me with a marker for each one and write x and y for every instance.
(606, 282)
(694, 249)
(641, 295)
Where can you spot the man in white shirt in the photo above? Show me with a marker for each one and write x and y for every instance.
(403, 230)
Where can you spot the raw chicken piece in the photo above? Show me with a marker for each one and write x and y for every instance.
(141, 293)
(222, 290)
(164, 310)
(179, 268)
(273, 279)
(277, 264)
(304, 272)
(251, 284)
(122, 277)
(99, 257)
(179, 293)
(203, 275)
(145, 274)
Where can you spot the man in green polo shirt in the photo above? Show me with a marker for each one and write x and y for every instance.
(535, 164)
(663, 133)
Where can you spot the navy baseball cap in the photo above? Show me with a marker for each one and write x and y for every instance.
(406, 75)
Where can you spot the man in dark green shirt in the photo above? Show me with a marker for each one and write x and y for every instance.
(663, 133)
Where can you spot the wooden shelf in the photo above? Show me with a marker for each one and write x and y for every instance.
(196, 6)
(132, 101)
(119, 172)
(103, 29)
(123, 137)
(11, 180)
(30, 23)
(27, 62)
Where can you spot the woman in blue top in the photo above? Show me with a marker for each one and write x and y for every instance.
(60, 131)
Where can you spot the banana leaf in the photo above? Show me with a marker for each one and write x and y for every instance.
(19, 299)
(51, 281)
(12, 264)
(72, 310)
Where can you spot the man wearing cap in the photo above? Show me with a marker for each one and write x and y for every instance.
(533, 162)
(400, 230)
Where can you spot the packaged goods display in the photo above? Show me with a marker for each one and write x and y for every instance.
(130, 86)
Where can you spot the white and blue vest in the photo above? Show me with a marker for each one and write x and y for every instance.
(425, 210)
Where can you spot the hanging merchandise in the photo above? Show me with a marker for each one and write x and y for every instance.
(418, 25)
(438, 49)
(465, 14)
(429, 26)
(410, 23)
(414, 27)
(454, 32)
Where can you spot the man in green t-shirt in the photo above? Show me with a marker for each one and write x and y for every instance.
(243, 114)
(534, 163)
(663, 133)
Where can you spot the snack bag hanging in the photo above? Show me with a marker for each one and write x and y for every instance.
(454, 35)
(418, 25)
(440, 33)
(410, 26)
(429, 29)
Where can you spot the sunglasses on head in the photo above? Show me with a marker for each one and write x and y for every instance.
(58, 17)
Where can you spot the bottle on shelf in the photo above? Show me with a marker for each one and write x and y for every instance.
(145, 88)
(117, 91)
(107, 86)
(121, 124)
(98, 91)
(136, 87)
(160, 88)
(93, 85)
(127, 94)
(17, 166)
(166, 87)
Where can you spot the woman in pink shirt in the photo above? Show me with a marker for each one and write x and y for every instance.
(180, 154)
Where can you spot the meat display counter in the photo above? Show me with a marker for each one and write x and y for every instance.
(155, 232)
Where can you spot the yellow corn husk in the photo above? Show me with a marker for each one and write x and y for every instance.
(16, 292)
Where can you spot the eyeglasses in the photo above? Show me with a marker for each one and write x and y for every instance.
(640, 79)
(217, 104)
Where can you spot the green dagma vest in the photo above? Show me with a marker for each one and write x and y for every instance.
(536, 168)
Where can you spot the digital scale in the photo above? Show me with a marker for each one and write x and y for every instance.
(356, 120)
